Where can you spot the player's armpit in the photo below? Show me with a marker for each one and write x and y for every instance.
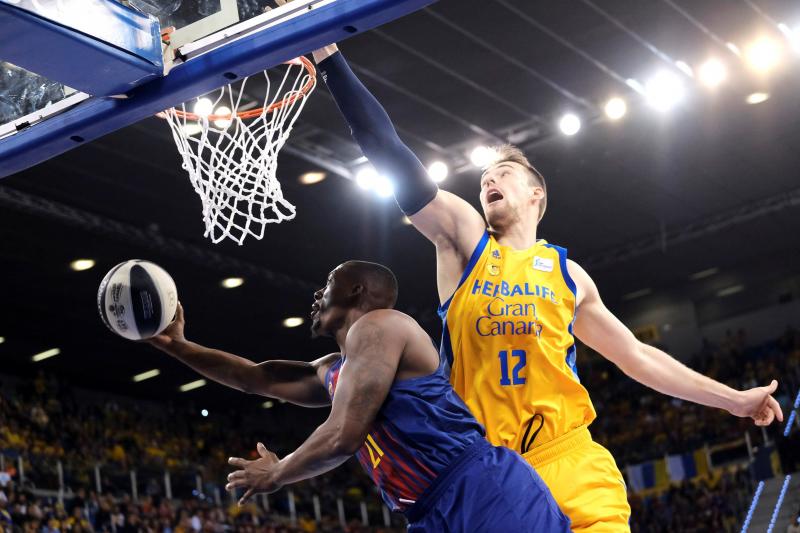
(455, 227)
(449, 221)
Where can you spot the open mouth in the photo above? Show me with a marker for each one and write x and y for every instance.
(493, 196)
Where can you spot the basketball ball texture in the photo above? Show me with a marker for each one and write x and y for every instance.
(137, 299)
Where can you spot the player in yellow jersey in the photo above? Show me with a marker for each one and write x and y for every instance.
(512, 306)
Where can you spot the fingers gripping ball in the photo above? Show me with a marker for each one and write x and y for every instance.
(137, 299)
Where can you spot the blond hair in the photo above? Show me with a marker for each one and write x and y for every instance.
(508, 153)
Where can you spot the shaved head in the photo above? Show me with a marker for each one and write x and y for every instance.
(380, 283)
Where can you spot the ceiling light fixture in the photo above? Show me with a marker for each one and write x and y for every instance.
(664, 90)
(616, 108)
(203, 107)
(438, 171)
(730, 290)
(47, 354)
(703, 274)
(146, 375)
(232, 283)
(310, 178)
(366, 177)
(569, 124)
(482, 156)
(192, 385)
(293, 322)
(757, 98)
(712, 73)
(764, 55)
(82, 264)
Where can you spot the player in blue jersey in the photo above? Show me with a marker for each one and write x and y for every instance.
(392, 406)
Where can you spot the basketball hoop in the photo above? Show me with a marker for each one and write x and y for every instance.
(231, 155)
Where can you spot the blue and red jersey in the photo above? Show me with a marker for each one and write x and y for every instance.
(421, 428)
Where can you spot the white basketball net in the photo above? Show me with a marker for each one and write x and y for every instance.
(232, 160)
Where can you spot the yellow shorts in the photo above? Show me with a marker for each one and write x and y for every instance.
(585, 482)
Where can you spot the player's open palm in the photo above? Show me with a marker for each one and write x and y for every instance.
(254, 476)
(172, 333)
(758, 404)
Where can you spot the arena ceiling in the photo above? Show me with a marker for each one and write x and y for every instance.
(644, 202)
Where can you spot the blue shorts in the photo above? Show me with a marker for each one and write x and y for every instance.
(487, 489)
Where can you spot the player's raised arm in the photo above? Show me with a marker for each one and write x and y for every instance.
(375, 345)
(297, 382)
(602, 331)
(445, 219)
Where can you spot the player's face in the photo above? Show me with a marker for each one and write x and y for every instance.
(329, 304)
(505, 193)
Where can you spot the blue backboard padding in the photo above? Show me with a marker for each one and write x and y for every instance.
(108, 49)
(99, 116)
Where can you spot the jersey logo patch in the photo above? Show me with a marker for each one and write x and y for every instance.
(493, 269)
(542, 263)
(496, 254)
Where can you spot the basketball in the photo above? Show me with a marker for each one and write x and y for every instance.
(137, 299)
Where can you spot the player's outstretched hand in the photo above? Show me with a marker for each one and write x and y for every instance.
(173, 332)
(254, 476)
(758, 404)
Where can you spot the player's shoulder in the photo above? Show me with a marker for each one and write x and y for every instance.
(389, 323)
(385, 318)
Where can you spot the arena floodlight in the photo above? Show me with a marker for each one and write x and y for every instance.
(2, 340)
(712, 73)
(204, 412)
(192, 385)
(757, 98)
(82, 264)
(293, 322)
(482, 156)
(203, 107)
(146, 375)
(763, 55)
(232, 283)
(384, 186)
(569, 124)
(47, 354)
(222, 123)
(310, 178)
(616, 108)
(269, 404)
(664, 91)
(366, 178)
(438, 171)
(191, 128)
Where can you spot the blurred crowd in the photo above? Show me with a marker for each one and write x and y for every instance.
(44, 421)
(668, 425)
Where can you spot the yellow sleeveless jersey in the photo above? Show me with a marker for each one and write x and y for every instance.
(507, 334)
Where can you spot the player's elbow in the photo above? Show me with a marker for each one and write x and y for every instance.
(347, 442)
(632, 360)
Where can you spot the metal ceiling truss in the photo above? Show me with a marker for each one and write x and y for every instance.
(148, 238)
(702, 228)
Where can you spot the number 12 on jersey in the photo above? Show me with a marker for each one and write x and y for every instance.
(516, 379)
